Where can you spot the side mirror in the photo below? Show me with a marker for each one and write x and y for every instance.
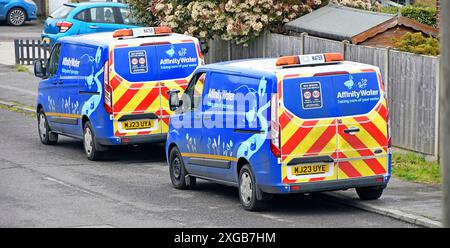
(174, 101)
(39, 70)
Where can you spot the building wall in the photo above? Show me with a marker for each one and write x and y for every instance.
(386, 39)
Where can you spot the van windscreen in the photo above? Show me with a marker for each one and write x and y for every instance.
(331, 96)
(155, 63)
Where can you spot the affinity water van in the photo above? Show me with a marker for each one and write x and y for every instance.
(111, 88)
(295, 124)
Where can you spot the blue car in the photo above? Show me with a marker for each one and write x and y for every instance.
(87, 17)
(17, 12)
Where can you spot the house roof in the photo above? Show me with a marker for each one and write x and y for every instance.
(343, 23)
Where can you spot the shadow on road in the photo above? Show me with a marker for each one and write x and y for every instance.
(288, 204)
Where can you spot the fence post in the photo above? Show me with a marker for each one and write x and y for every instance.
(344, 47)
(436, 118)
(16, 51)
(386, 70)
(302, 47)
(229, 50)
(264, 43)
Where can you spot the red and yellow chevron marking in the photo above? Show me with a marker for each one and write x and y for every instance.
(354, 153)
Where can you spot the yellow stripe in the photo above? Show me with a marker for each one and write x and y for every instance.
(62, 115)
(210, 156)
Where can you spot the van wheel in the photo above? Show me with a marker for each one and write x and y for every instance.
(16, 17)
(45, 134)
(247, 190)
(369, 193)
(178, 172)
(89, 143)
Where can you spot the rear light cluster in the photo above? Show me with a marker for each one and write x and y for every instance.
(64, 26)
(107, 89)
(275, 131)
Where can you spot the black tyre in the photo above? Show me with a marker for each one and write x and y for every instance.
(369, 193)
(89, 143)
(178, 172)
(46, 136)
(16, 17)
(248, 190)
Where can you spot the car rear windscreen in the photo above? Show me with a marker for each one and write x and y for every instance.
(62, 12)
(161, 62)
(331, 96)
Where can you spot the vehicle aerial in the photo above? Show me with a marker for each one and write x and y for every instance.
(112, 88)
(86, 17)
(17, 12)
(296, 124)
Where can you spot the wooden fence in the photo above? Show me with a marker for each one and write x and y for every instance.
(27, 51)
(412, 80)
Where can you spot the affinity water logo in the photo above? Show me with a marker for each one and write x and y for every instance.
(71, 62)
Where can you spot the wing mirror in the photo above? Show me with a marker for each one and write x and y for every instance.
(39, 69)
(174, 100)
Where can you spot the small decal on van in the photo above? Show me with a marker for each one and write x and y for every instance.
(311, 94)
(138, 61)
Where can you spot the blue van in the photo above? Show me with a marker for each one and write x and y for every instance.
(111, 89)
(295, 124)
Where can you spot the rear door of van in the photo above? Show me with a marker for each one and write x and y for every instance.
(141, 76)
(362, 125)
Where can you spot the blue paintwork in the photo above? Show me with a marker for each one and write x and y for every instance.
(224, 141)
(51, 31)
(29, 7)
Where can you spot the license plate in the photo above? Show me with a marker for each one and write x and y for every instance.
(310, 169)
(130, 125)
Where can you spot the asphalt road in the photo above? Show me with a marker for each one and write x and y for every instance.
(30, 30)
(56, 186)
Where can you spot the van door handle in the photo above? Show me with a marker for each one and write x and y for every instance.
(93, 27)
(351, 130)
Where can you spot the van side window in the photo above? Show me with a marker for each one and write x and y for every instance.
(195, 90)
(53, 61)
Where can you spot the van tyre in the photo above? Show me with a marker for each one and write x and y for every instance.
(248, 190)
(46, 136)
(369, 193)
(16, 17)
(178, 174)
(89, 143)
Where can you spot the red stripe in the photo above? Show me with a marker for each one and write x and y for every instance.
(115, 82)
(286, 180)
(126, 97)
(348, 169)
(383, 112)
(323, 140)
(316, 179)
(372, 130)
(111, 57)
(284, 119)
(297, 137)
(356, 143)
(148, 99)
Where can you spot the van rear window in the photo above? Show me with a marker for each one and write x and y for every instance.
(154, 63)
(331, 96)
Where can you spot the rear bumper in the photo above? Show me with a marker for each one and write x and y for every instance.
(132, 140)
(380, 181)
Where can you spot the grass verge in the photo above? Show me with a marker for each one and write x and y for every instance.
(22, 68)
(413, 167)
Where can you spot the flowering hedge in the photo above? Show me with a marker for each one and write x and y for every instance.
(238, 21)
(359, 4)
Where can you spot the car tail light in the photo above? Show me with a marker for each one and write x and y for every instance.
(64, 26)
(107, 89)
(274, 127)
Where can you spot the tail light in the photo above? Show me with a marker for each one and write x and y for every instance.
(64, 26)
(107, 89)
(274, 127)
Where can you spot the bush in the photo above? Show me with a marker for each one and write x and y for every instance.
(417, 43)
(238, 21)
(359, 4)
(425, 15)
(140, 12)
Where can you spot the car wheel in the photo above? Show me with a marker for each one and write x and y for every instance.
(16, 17)
(89, 143)
(369, 193)
(247, 190)
(178, 171)
(46, 136)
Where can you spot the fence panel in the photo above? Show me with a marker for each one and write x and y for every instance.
(27, 51)
(412, 100)
(319, 45)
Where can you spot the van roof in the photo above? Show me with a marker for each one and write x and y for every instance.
(267, 66)
(105, 39)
